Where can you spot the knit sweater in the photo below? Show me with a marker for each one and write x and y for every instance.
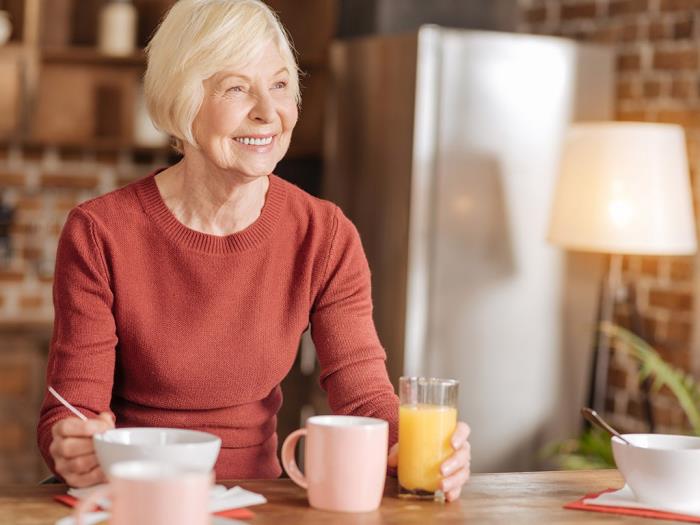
(166, 326)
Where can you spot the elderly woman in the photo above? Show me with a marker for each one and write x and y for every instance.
(180, 299)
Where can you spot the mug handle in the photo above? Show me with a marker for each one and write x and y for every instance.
(84, 505)
(288, 461)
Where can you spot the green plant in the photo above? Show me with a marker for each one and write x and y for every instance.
(592, 449)
(652, 366)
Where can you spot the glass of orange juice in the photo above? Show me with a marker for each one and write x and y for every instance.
(427, 419)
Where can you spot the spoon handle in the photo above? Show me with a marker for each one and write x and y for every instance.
(592, 416)
(67, 404)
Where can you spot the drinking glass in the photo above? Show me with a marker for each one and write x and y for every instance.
(427, 420)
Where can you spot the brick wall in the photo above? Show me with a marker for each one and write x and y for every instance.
(42, 185)
(22, 371)
(658, 80)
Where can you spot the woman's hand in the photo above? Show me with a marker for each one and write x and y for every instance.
(73, 452)
(455, 469)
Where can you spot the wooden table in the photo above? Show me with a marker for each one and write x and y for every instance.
(530, 497)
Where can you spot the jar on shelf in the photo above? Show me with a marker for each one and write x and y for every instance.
(5, 27)
(117, 28)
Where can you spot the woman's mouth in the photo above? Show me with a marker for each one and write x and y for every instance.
(254, 141)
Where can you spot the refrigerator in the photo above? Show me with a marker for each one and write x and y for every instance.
(442, 146)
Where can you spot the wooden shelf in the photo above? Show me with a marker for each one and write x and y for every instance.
(39, 327)
(13, 49)
(97, 145)
(69, 92)
(90, 56)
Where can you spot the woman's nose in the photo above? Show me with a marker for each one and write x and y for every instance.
(263, 110)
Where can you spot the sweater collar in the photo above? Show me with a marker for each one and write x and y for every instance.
(245, 239)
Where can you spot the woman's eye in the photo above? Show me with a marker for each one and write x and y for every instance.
(236, 89)
(280, 85)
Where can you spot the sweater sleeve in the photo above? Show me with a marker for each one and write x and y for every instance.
(82, 352)
(353, 369)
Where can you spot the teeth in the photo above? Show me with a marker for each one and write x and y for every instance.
(253, 141)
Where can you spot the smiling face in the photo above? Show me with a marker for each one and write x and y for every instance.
(245, 122)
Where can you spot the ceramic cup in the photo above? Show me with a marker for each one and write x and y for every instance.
(344, 462)
(152, 493)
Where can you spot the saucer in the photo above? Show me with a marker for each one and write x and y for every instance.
(98, 518)
(625, 498)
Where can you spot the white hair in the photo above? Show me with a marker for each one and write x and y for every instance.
(196, 40)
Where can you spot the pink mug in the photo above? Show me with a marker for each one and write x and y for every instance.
(152, 493)
(344, 460)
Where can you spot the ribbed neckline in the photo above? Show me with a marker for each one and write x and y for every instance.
(155, 207)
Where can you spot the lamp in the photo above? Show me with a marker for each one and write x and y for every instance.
(623, 189)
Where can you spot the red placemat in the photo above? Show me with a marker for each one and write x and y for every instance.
(642, 513)
(239, 514)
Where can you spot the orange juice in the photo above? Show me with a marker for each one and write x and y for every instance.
(424, 443)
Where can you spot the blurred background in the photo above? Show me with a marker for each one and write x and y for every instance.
(439, 128)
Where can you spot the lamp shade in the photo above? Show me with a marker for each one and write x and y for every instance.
(624, 188)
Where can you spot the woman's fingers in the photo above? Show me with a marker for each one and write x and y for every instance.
(73, 451)
(108, 417)
(454, 494)
(460, 435)
(452, 485)
(456, 469)
(94, 477)
(393, 459)
(457, 461)
(82, 464)
(71, 447)
(75, 427)
(76, 466)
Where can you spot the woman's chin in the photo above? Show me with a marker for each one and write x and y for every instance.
(251, 174)
(247, 170)
(252, 170)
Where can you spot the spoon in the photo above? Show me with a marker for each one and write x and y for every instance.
(592, 416)
(67, 404)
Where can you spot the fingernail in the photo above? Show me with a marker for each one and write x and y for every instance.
(447, 468)
(446, 487)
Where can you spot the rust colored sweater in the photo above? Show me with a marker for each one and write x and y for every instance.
(166, 326)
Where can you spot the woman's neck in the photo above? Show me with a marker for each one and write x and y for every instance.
(209, 200)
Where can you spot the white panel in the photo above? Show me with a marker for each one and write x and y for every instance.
(495, 318)
(421, 204)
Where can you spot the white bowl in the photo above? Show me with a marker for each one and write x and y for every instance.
(185, 448)
(661, 469)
